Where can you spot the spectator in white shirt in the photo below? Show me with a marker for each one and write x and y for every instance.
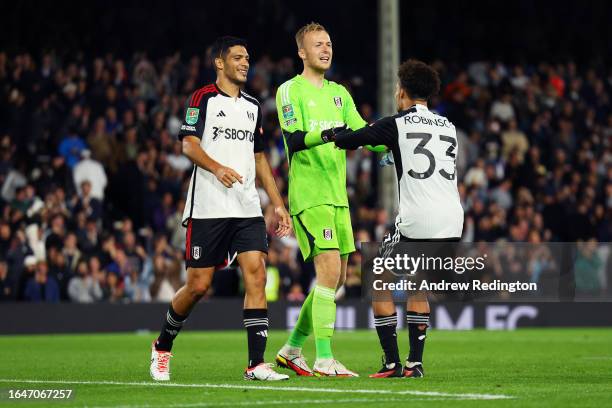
(90, 170)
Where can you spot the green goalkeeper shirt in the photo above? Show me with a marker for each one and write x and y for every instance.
(317, 176)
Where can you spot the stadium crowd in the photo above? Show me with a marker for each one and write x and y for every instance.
(93, 180)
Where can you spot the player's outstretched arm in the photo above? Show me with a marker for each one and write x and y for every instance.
(195, 153)
(382, 132)
(264, 174)
(354, 121)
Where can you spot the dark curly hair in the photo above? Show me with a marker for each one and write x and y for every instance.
(418, 79)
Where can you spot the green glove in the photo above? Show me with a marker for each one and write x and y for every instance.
(377, 148)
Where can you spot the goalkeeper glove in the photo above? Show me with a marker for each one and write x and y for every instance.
(329, 135)
(377, 148)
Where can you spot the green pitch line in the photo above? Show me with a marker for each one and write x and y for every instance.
(531, 367)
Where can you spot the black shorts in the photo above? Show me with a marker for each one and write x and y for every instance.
(210, 242)
(394, 243)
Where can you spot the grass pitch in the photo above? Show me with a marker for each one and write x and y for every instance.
(528, 367)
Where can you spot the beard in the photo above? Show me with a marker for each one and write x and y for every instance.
(237, 79)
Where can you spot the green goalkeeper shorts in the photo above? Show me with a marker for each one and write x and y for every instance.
(322, 228)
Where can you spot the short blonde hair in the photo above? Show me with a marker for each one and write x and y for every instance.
(308, 28)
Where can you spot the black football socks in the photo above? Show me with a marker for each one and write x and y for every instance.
(417, 332)
(386, 329)
(256, 324)
(172, 326)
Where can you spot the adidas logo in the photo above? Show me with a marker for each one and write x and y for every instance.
(220, 114)
(263, 333)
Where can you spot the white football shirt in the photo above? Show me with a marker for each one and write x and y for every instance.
(424, 147)
(230, 131)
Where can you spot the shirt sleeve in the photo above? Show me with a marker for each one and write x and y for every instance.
(258, 142)
(352, 118)
(382, 132)
(288, 109)
(194, 117)
(291, 119)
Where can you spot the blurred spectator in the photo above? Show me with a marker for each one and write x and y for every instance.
(92, 171)
(514, 140)
(83, 287)
(7, 286)
(167, 278)
(115, 289)
(99, 276)
(273, 277)
(476, 176)
(87, 203)
(166, 270)
(5, 237)
(71, 252)
(89, 237)
(353, 276)
(588, 266)
(27, 273)
(295, 293)
(502, 108)
(60, 270)
(71, 148)
(42, 287)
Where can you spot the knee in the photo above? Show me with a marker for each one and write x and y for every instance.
(256, 278)
(198, 287)
(383, 308)
(329, 278)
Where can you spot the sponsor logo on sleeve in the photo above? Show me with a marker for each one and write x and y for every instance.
(188, 128)
(290, 122)
(192, 115)
(338, 101)
(288, 112)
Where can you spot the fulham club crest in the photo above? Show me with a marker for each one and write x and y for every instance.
(196, 252)
(338, 101)
(327, 234)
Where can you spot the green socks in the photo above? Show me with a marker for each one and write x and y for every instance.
(319, 313)
(303, 327)
(323, 319)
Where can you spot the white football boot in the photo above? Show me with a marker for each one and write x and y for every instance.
(293, 359)
(263, 372)
(160, 364)
(329, 367)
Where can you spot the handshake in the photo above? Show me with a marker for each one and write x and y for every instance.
(329, 135)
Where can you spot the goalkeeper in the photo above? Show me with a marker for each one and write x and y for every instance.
(311, 110)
